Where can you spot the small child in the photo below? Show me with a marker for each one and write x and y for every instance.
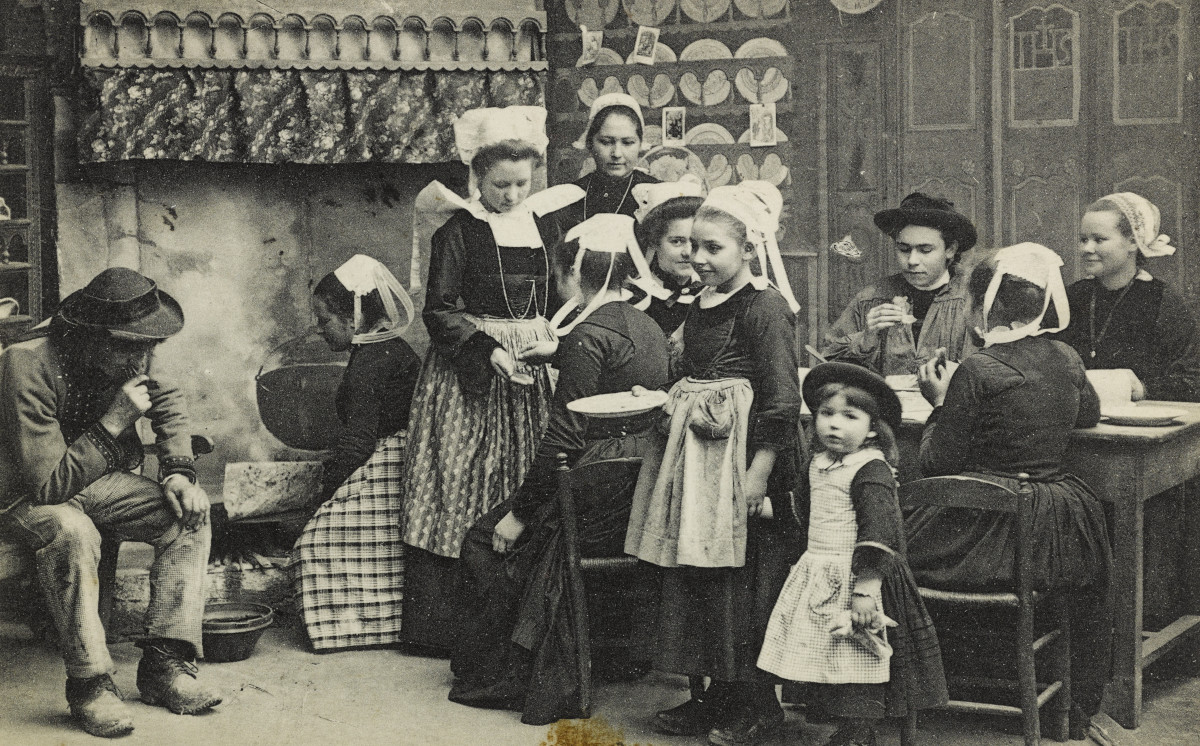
(829, 626)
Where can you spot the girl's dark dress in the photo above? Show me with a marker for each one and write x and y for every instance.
(712, 620)
(670, 312)
(1010, 409)
(1150, 331)
(516, 648)
(917, 681)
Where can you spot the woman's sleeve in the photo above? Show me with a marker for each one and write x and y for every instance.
(877, 511)
(450, 331)
(849, 341)
(580, 359)
(1178, 353)
(769, 327)
(361, 390)
(946, 441)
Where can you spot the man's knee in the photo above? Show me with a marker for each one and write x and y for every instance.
(73, 530)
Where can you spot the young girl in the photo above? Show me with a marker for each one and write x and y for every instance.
(732, 441)
(358, 308)
(478, 412)
(852, 590)
(665, 213)
(1122, 317)
(1007, 411)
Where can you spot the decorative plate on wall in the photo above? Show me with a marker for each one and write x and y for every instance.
(760, 8)
(779, 136)
(587, 12)
(650, 96)
(760, 47)
(771, 88)
(705, 49)
(704, 11)
(607, 56)
(714, 90)
(708, 133)
(647, 12)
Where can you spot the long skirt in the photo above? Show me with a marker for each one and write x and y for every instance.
(968, 550)
(517, 647)
(468, 453)
(348, 564)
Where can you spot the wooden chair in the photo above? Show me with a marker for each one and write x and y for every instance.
(606, 477)
(976, 492)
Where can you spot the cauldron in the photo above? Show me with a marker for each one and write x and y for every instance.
(296, 387)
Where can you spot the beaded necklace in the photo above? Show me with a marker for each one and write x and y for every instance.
(586, 192)
(1093, 338)
(532, 289)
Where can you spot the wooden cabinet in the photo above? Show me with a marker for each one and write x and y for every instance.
(26, 188)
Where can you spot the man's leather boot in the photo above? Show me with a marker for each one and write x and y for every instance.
(97, 706)
(166, 677)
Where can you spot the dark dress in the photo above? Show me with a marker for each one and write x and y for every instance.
(712, 620)
(670, 312)
(602, 194)
(473, 435)
(917, 680)
(516, 647)
(1010, 409)
(1151, 332)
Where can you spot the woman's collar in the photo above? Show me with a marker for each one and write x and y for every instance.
(710, 298)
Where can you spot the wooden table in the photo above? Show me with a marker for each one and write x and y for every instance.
(1125, 467)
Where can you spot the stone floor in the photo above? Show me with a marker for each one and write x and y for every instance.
(286, 695)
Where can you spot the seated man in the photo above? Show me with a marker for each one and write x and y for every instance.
(894, 326)
(69, 398)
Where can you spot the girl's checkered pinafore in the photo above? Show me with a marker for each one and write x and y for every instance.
(798, 644)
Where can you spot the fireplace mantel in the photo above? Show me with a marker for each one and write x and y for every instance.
(332, 35)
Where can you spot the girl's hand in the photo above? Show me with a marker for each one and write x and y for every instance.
(538, 353)
(506, 533)
(639, 390)
(503, 363)
(754, 487)
(934, 380)
(863, 611)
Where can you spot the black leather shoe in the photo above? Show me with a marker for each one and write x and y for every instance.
(752, 727)
(695, 717)
(97, 707)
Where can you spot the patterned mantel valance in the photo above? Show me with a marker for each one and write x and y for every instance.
(313, 35)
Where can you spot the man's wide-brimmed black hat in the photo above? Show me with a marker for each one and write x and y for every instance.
(931, 212)
(858, 377)
(126, 303)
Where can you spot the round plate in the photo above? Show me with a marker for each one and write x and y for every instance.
(648, 12)
(708, 134)
(772, 88)
(1139, 416)
(779, 136)
(671, 162)
(714, 90)
(619, 404)
(607, 56)
(705, 49)
(719, 171)
(704, 11)
(760, 8)
(760, 47)
(574, 12)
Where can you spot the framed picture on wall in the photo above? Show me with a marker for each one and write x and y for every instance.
(674, 125)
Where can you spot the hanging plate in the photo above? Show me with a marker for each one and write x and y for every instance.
(704, 11)
(760, 8)
(708, 133)
(705, 49)
(760, 47)
(770, 89)
(648, 12)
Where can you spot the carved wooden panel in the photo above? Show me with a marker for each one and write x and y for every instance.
(961, 193)
(1148, 67)
(1044, 74)
(1045, 209)
(940, 71)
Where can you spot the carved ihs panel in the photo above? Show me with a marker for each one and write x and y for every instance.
(1147, 64)
(1043, 75)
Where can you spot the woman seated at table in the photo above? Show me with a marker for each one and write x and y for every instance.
(1009, 409)
(895, 325)
(516, 648)
(355, 532)
(1122, 317)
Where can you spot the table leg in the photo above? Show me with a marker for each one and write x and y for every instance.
(1125, 596)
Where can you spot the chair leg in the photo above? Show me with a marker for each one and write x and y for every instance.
(908, 729)
(1027, 675)
(1061, 706)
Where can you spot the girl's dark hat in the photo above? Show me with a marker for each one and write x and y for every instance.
(127, 304)
(931, 212)
(858, 377)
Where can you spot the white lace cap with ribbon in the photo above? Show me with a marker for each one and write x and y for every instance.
(757, 205)
(1036, 264)
(603, 102)
(478, 128)
(607, 233)
(1145, 220)
(361, 274)
(649, 197)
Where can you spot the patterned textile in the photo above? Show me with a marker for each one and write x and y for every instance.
(470, 452)
(678, 516)
(288, 116)
(348, 564)
(798, 645)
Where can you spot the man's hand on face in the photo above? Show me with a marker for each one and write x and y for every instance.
(188, 501)
(130, 403)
